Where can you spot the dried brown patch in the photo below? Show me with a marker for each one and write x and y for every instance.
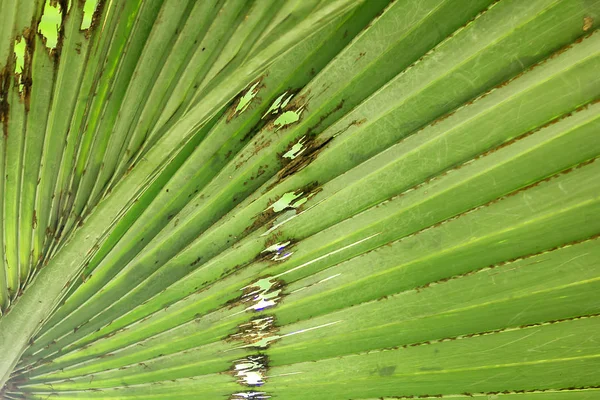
(253, 331)
(588, 22)
(4, 106)
(312, 148)
(260, 219)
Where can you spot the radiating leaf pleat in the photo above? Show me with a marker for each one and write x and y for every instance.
(316, 199)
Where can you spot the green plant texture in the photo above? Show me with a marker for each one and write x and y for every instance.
(300, 199)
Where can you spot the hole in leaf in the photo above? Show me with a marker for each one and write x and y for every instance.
(50, 23)
(257, 333)
(285, 201)
(88, 13)
(296, 149)
(288, 118)
(279, 104)
(19, 49)
(250, 370)
(247, 98)
(279, 250)
(286, 101)
(262, 294)
(274, 109)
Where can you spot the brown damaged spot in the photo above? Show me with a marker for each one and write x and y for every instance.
(359, 122)
(313, 146)
(323, 117)
(129, 169)
(261, 142)
(274, 240)
(443, 118)
(4, 106)
(588, 22)
(277, 249)
(93, 250)
(356, 122)
(64, 10)
(249, 293)
(257, 330)
(196, 261)
(96, 18)
(260, 219)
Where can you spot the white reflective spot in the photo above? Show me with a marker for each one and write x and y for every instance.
(328, 278)
(250, 396)
(263, 294)
(250, 370)
(277, 247)
(253, 378)
(278, 250)
(263, 303)
(328, 254)
(281, 257)
(311, 329)
(316, 283)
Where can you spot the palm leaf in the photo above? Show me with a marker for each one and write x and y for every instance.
(324, 199)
